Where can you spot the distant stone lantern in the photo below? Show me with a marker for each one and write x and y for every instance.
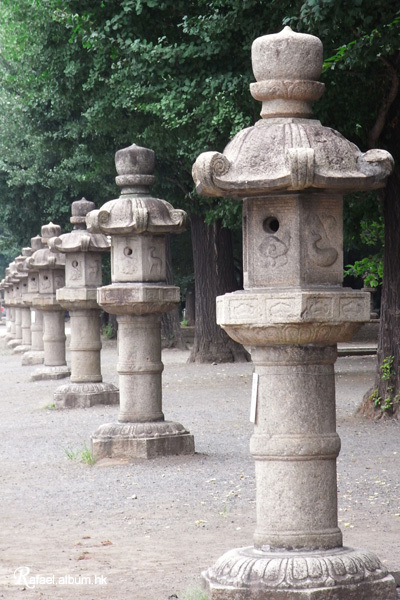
(291, 173)
(138, 295)
(51, 268)
(24, 301)
(82, 252)
(15, 338)
(7, 287)
(35, 355)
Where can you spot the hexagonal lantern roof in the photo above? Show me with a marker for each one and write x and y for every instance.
(79, 239)
(136, 211)
(287, 150)
(44, 258)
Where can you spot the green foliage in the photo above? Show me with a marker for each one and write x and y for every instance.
(195, 594)
(390, 401)
(370, 268)
(108, 331)
(387, 368)
(83, 454)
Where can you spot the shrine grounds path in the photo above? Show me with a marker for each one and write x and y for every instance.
(146, 530)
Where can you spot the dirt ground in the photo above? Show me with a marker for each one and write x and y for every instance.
(146, 530)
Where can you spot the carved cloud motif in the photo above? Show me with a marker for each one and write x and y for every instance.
(274, 250)
(155, 262)
(321, 250)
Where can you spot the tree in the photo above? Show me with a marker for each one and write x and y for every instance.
(363, 65)
(171, 75)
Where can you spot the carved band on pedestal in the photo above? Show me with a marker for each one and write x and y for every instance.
(283, 575)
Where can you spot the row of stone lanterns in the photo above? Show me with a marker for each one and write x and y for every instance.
(63, 272)
(291, 173)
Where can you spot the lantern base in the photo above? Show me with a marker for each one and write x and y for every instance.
(21, 349)
(33, 357)
(46, 372)
(338, 574)
(141, 440)
(13, 343)
(85, 395)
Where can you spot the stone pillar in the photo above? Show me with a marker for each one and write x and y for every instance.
(83, 275)
(51, 268)
(35, 356)
(140, 368)
(139, 295)
(291, 173)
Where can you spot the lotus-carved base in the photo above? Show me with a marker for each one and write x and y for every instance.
(141, 440)
(33, 357)
(46, 372)
(338, 574)
(85, 395)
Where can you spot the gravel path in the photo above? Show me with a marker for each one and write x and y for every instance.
(149, 528)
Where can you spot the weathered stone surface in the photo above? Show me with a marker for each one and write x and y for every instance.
(341, 574)
(293, 240)
(287, 150)
(297, 316)
(141, 440)
(48, 372)
(138, 295)
(138, 299)
(85, 395)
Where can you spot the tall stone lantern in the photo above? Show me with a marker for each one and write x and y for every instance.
(34, 356)
(51, 268)
(82, 278)
(8, 289)
(24, 301)
(16, 332)
(138, 295)
(291, 173)
(5, 286)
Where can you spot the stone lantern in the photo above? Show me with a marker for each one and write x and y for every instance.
(291, 173)
(7, 287)
(24, 301)
(138, 295)
(82, 278)
(3, 285)
(15, 295)
(51, 268)
(35, 356)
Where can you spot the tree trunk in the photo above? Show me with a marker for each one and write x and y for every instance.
(190, 312)
(171, 333)
(214, 276)
(383, 399)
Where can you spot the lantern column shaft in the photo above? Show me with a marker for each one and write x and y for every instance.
(139, 368)
(85, 346)
(295, 446)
